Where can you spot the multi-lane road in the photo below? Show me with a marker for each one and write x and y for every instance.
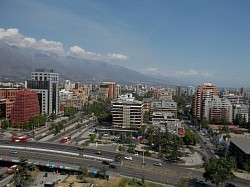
(132, 168)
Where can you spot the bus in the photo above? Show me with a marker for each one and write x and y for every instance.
(11, 169)
(16, 138)
(66, 139)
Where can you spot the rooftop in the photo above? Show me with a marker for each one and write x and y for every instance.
(242, 142)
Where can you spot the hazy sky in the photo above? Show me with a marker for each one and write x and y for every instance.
(194, 41)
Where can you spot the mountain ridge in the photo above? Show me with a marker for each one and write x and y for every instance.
(18, 63)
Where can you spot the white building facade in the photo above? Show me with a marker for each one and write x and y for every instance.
(127, 113)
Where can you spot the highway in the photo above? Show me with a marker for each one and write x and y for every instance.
(133, 168)
(126, 169)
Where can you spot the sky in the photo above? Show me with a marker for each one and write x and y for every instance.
(194, 41)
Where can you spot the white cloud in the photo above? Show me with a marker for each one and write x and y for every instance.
(190, 72)
(26, 42)
(150, 70)
(206, 74)
(114, 56)
(186, 74)
(13, 37)
(80, 52)
(52, 46)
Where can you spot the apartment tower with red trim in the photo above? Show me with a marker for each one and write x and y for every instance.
(207, 90)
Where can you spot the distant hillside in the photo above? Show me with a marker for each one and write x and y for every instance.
(17, 64)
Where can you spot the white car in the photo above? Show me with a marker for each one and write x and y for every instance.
(13, 152)
(158, 164)
(128, 158)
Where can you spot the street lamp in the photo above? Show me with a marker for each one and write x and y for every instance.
(143, 162)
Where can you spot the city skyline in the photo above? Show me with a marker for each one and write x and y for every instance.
(191, 41)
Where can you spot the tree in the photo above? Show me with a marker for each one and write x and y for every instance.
(218, 170)
(92, 137)
(190, 137)
(70, 111)
(103, 171)
(239, 120)
(84, 172)
(25, 125)
(183, 182)
(53, 116)
(204, 122)
(122, 137)
(5, 124)
(118, 157)
(143, 180)
(21, 175)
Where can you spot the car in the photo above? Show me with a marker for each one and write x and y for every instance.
(158, 164)
(105, 162)
(13, 152)
(98, 153)
(112, 166)
(136, 154)
(204, 158)
(200, 182)
(230, 185)
(80, 148)
(128, 158)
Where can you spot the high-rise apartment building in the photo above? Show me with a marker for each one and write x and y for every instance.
(127, 113)
(242, 110)
(217, 108)
(164, 106)
(25, 106)
(109, 89)
(207, 90)
(190, 90)
(46, 83)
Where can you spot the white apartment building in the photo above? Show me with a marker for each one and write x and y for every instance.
(46, 83)
(127, 113)
(217, 107)
(164, 106)
(242, 110)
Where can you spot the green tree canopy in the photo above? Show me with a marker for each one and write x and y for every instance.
(218, 170)
(83, 171)
(204, 122)
(21, 175)
(5, 124)
(190, 137)
(240, 120)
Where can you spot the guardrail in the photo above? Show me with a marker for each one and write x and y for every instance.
(6, 180)
(56, 152)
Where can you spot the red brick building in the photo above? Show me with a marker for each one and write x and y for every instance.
(7, 99)
(25, 106)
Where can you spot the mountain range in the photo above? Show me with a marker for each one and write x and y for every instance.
(18, 63)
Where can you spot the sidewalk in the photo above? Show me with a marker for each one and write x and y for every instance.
(242, 175)
(193, 159)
